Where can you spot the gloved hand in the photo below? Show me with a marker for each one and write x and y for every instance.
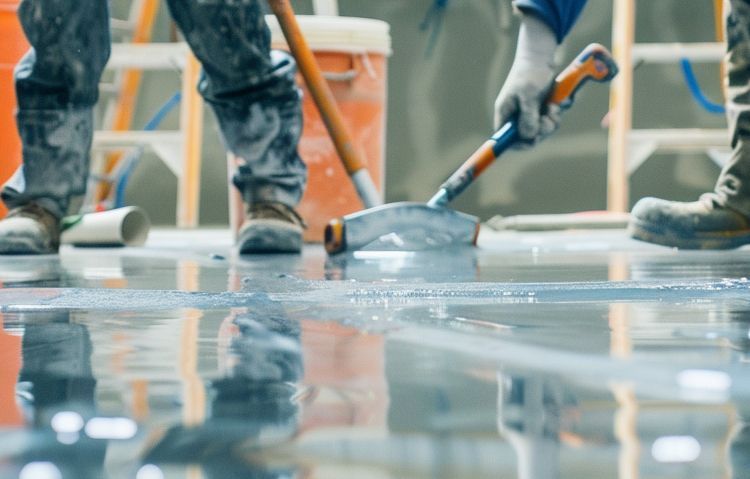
(526, 88)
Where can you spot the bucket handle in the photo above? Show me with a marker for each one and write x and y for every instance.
(345, 76)
(353, 73)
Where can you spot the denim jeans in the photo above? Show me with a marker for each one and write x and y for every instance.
(251, 91)
(733, 186)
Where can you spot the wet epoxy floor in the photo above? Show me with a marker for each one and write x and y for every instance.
(537, 355)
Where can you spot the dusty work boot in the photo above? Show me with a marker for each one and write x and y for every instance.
(270, 228)
(29, 229)
(702, 224)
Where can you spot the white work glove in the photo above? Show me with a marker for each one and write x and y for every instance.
(528, 84)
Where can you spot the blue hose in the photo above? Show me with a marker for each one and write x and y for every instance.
(433, 20)
(132, 159)
(695, 90)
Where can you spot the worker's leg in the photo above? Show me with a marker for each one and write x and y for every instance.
(720, 219)
(733, 186)
(254, 96)
(56, 86)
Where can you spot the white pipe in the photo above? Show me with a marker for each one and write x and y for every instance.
(326, 7)
(120, 227)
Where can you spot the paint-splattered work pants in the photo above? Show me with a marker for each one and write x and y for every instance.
(252, 92)
(733, 186)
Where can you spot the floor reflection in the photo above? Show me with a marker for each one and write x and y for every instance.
(553, 357)
(56, 393)
(254, 406)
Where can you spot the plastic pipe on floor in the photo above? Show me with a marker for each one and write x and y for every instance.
(119, 227)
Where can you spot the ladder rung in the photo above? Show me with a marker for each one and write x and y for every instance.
(148, 56)
(674, 52)
(680, 139)
(121, 25)
(112, 139)
(108, 88)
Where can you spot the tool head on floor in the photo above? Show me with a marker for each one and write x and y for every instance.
(430, 225)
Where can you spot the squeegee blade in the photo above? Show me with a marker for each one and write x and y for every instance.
(402, 225)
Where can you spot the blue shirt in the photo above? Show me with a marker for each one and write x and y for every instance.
(560, 15)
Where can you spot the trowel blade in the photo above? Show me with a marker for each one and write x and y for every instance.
(429, 225)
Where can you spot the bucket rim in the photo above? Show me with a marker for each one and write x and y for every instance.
(338, 34)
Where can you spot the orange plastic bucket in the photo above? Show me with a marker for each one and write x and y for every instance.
(353, 55)
(14, 45)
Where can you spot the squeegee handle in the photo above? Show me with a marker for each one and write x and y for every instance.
(352, 159)
(593, 63)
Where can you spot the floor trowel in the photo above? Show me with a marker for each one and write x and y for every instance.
(433, 220)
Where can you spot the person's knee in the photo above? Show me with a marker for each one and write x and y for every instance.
(85, 73)
(70, 49)
(227, 33)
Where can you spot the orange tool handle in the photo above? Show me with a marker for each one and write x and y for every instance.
(318, 86)
(593, 63)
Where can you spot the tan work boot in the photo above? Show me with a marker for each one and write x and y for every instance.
(270, 228)
(702, 224)
(29, 229)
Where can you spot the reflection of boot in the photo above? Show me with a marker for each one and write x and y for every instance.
(739, 335)
(253, 406)
(57, 366)
(57, 376)
(267, 349)
(30, 272)
(740, 453)
(702, 224)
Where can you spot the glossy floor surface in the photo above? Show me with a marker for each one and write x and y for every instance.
(538, 355)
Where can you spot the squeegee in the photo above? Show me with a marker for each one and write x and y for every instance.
(434, 219)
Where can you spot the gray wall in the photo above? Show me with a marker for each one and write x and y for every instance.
(440, 110)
